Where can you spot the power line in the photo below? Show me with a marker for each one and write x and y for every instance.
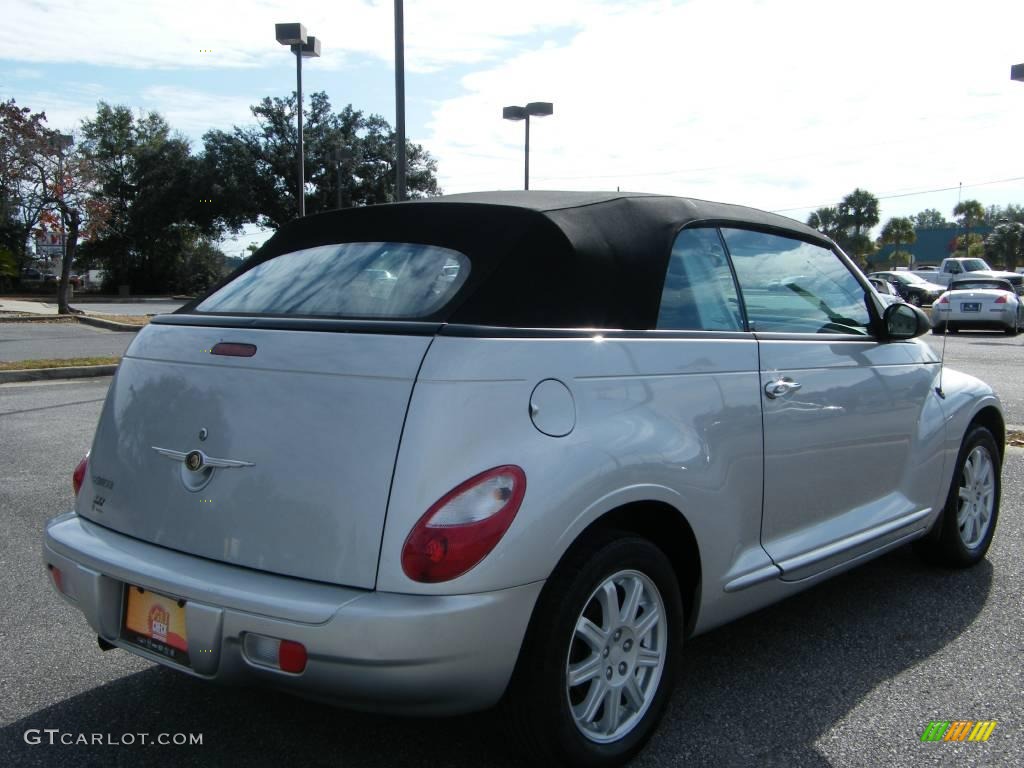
(907, 194)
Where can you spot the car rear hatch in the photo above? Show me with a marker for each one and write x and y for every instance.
(280, 461)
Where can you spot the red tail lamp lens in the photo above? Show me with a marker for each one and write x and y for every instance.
(78, 476)
(291, 656)
(57, 576)
(462, 528)
(944, 299)
(231, 349)
(1001, 299)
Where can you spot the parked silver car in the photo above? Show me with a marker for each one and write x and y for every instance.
(979, 303)
(577, 429)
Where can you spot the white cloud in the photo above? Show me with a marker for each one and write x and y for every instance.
(205, 33)
(770, 104)
(194, 112)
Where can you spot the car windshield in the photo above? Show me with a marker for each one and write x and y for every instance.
(909, 278)
(347, 280)
(973, 265)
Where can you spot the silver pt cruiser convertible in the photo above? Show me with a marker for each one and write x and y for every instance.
(514, 447)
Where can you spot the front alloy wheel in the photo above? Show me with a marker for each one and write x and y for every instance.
(976, 497)
(963, 533)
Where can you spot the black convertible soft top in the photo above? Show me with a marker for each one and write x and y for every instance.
(540, 259)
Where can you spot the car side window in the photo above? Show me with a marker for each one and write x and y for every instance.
(699, 292)
(792, 286)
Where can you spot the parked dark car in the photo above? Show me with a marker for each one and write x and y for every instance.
(910, 287)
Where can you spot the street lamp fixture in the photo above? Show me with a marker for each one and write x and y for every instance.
(1017, 72)
(304, 46)
(533, 109)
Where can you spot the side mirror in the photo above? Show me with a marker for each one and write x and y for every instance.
(905, 321)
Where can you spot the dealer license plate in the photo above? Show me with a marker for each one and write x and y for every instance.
(155, 622)
(971, 306)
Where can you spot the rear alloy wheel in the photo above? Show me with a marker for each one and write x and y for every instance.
(964, 530)
(598, 663)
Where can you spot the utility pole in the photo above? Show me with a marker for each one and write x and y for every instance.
(399, 101)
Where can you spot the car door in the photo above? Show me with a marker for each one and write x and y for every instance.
(852, 427)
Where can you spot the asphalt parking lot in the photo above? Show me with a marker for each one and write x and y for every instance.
(848, 673)
(45, 341)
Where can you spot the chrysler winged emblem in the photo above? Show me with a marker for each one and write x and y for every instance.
(196, 461)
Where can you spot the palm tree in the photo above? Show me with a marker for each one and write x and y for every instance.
(825, 220)
(898, 231)
(1007, 243)
(859, 211)
(968, 213)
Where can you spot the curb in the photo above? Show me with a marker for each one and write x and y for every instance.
(110, 325)
(38, 319)
(45, 374)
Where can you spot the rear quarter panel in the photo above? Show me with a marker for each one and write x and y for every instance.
(670, 420)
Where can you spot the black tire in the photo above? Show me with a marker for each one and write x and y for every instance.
(944, 545)
(1011, 331)
(537, 703)
(939, 330)
(951, 329)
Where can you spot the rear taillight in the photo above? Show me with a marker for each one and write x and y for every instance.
(1001, 299)
(461, 528)
(286, 655)
(57, 576)
(944, 299)
(78, 476)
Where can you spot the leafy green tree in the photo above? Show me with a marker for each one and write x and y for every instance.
(826, 221)
(969, 213)
(929, 218)
(1005, 244)
(857, 214)
(250, 171)
(898, 231)
(22, 139)
(901, 258)
(150, 186)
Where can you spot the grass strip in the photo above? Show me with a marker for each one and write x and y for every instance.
(31, 365)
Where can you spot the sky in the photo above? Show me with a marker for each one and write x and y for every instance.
(783, 105)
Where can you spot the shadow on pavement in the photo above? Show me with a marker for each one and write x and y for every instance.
(757, 692)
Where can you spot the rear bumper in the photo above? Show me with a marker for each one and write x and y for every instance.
(991, 319)
(374, 651)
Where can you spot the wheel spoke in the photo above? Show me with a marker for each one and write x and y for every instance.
(591, 634)
(969, 470)
(634, 696)
(587, 709)
(650, 617)
(612, 709)
(632, 601)
(608, 597)
(965, 494)
(586, 670)
(647, 658)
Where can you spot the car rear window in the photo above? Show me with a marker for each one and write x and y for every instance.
(348, 280)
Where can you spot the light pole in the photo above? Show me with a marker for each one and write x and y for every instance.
(303, 46)
(341, 157)
(534, 109)
(1017, 72)
(400, 160)
(61, 142)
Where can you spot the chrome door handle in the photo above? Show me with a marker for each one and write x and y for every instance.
(780, 387)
